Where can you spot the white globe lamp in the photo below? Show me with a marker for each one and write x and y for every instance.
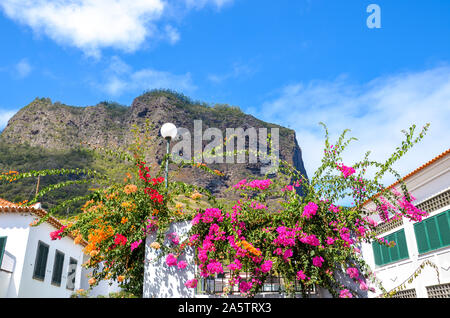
(168, 132)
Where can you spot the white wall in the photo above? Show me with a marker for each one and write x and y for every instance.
(21, 247)
(162, 281)
(16, 228)
(30, 287)
(104, 288)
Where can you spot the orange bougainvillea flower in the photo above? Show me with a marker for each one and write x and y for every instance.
(155, 245)
(196, 195)
(130, 188)
(93, 253)
(155, 212)
(92, 281)
(120, 278)
(128, 205)
(124, 220)
(97, 236)
(78, 239)
(249, 247)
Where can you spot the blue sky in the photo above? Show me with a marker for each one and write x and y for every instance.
(293, 63)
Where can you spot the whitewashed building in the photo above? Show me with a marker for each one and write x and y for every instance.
(417, 242)
(34, 266)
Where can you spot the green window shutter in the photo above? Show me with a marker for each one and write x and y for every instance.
(401, 244)
(444, 228)
(2, 248)
(433, 233)
(57, 268)
(421, 237)
(384, 255)
(377, 253)
(40, 264)
(394, 251)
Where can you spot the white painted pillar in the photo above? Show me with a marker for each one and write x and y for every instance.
(162, 281)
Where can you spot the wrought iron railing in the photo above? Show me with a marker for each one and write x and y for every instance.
(274, 284)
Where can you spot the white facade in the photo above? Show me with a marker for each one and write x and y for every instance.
(427, 184)
(16, 274)
(162, 281)
(17, 268)
(104, 287)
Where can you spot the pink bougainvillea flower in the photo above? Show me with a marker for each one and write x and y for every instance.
(352, 272)
(333, 209)
(310, 210)
(171, 260)
(363, 285)
(311, 240)
(288, 253)
(135, 245)
(245, 286)
(301, 275)
(266, 266)
(215, 267)
(346, 171)
(345, 293)
(191, 283)
(318, 261)
(236, 265)
(182, 264)
(287, 188)
(57, 234)
(174, 238)
(330, 240)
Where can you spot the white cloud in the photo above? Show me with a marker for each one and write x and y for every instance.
(22, 69)
(376, 112)
(200, 4)
(122, 78)
(89, 24)
(172, 34)
(238, 70)
(92, 25)
(6, 115)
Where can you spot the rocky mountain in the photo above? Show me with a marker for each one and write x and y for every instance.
(57, 127)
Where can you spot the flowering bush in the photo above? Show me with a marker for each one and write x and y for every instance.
(287, 225)
(306, 239)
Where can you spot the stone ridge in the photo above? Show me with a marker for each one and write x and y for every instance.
(55, 125)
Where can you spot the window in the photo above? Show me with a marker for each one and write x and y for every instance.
(57, 268)
(40, 263)
(433, 233)
(71, 274)
(2, 248)
(385, 255)
(408, 293)
(439, 291)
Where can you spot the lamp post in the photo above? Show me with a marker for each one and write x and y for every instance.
(168, 132)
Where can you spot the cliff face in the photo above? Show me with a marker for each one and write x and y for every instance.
(57, 126)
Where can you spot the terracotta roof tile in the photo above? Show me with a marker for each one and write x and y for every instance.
(442, 155)
(10, 207)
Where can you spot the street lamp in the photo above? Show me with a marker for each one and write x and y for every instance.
(169, 132)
